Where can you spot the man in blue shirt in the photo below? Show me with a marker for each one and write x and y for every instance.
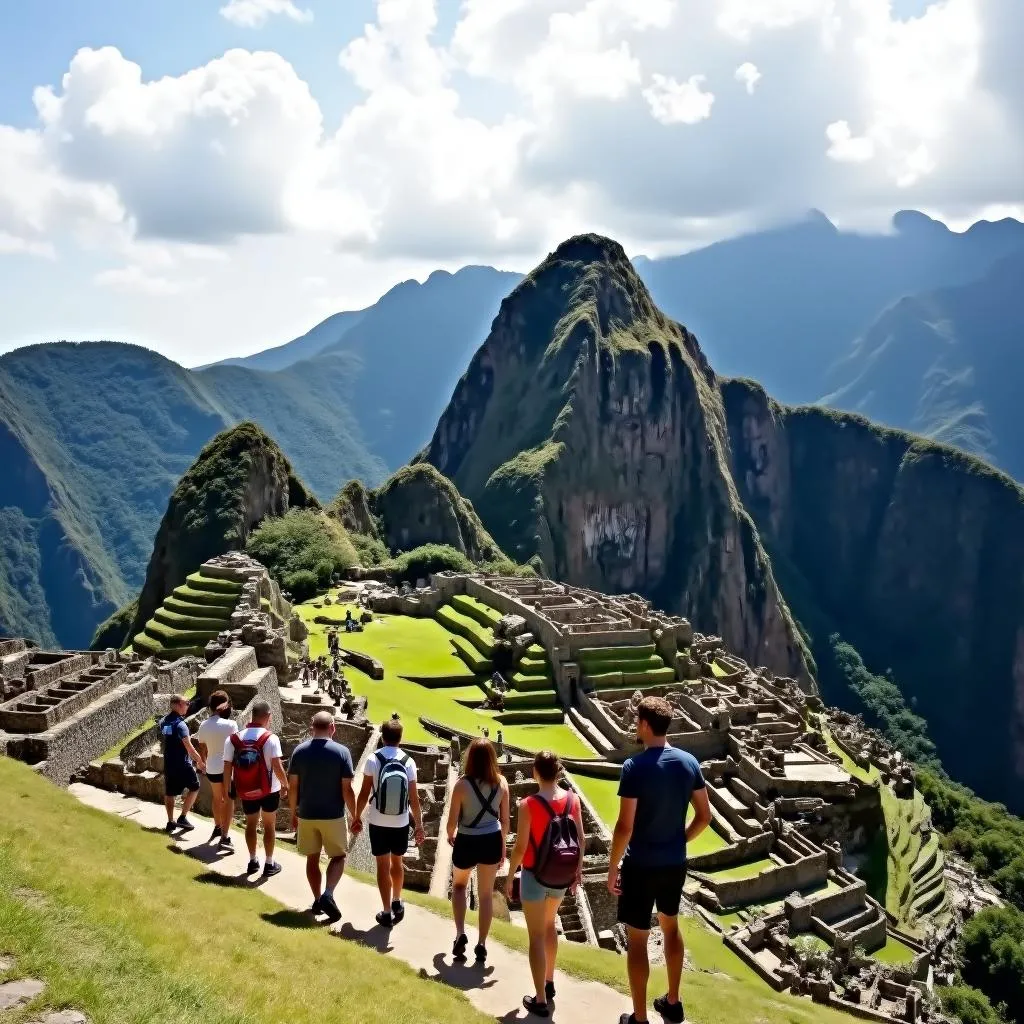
(648, 856)
(180, 759)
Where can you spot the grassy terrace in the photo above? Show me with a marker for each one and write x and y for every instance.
(611, 668)
(408, 646)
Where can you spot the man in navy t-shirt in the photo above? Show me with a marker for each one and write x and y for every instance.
(648, 856)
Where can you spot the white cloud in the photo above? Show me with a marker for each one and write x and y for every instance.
(845, 147)
(134, 278)
(256, 13)
(748, 76)
(673, 102)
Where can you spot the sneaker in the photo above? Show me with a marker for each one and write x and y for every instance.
(549, 990)
(537, 1009)
(272, 868)
(215, 836)
(397, 911)
(170, 827)
(185, 825)
(384, 919)
(254, 866)
(672, 1012)
(317, 908)
(480, 952)
(629, 1018)
(459, 949)
(226, 844)
(330, 908)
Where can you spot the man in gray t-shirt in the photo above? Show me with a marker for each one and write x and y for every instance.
(320, 780)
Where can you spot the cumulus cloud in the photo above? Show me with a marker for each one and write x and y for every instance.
(673, 102)
(748, 76)
(256, 13)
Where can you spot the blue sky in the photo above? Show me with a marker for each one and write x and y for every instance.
(253, 178)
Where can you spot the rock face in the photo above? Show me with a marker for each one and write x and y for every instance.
(417, 506)
(915, 553)
(240, 478)
(589, 430)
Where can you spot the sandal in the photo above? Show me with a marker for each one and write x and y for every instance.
(537, 1009)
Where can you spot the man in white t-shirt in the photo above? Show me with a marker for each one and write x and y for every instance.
(260, 782)
(389, 786)
(212, 735)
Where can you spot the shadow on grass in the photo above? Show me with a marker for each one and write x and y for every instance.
(300, 919)
(224, 881)
(377, 938)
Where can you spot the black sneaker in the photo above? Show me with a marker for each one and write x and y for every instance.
(226, 844)
(480, 952)
(215, 836)
(397, 911)
(170, 827)
(537, 1009)
(254, 866)
(384, 919)
(549, 990)
(459, 949)
(672, 1012)
(185, 825)
(629, 1018)
(330, 908)
(317, 907)
(272, 868)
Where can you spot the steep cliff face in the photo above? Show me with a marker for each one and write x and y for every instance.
(240, 478)
(915, 552)
(589, 430)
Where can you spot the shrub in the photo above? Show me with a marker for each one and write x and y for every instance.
(992, 946)
(302, 584)
(370, 550)
(421, 562)
(303, 541)
(969, 1005)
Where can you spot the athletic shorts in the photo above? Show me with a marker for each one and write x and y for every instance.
(644, 888)
(471, 850)
(214, 777)
(329, 835)
(531, 891)
(385, 841)
(269, 803)
(179, 779)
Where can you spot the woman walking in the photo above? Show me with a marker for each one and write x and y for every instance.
(212, 735)
(477, 829)
(549, 846)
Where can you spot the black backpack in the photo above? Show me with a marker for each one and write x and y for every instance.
(559, 853)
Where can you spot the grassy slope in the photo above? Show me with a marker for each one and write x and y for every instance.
(116, 937)
(421, 647)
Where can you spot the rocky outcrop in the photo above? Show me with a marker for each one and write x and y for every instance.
(416, 506)
(240, 478)
(589, 430)
(914, 552)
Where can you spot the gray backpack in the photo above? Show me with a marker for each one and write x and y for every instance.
(392, 793)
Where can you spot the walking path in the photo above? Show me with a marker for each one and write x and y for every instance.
(423, 940)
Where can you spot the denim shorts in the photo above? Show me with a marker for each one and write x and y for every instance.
(530, 890)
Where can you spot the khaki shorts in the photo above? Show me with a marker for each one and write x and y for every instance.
(329, 835)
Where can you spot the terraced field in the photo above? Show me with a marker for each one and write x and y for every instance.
(614, 668)
(189, 617)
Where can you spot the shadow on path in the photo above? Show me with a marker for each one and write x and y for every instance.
(462, 976)
(377, 938)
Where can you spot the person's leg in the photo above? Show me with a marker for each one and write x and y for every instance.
(397, 877)
(251, 824)
(674, 954)
(227, 812)
(550, 937)
(460, 883)
(384, 880)
(535, 913)
(188, 801)
(485, 875)
(638, 968)
(269, 834)
(314, 875)
(169, 807)
(335, 869)
(217, 806)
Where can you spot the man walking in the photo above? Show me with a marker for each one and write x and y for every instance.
(252, 760)
(180, 760)
(320, 789)
(655, 790)
(389, 786)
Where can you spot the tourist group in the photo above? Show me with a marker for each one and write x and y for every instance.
(546, 862)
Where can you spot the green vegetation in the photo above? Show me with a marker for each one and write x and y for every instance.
(992, 946)
(116, 631)
(302, 549)
(969, 1005)
(110, 942)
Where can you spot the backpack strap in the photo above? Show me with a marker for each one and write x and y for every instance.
(486, 805)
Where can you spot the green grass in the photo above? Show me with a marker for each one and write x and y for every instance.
(468, 654)
(199, 581)
(110, 937)
(176, 620)
(482, 613)
(718, 671)
(595, 655)
(481, 637)
(193, 595)
(408, 646)
(748, 870)
(868, 775)
(894, 952)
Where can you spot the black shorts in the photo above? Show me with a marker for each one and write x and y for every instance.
(179, 779)
(219, 777)
(269, 803)
(385, 841)
(470, 851)
(644, 888)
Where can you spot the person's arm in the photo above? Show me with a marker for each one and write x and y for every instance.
(192, 752)
(229, 763)
(364, 798)
(521, 844)
(620, 839)
(505, 814)
(349, 797)
(577, 815)
(277, 766)
(452, 826)
(414, 808)
(701, 814)
(201, 746)
(293, 800)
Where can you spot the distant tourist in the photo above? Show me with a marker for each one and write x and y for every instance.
(180, 760)
(478, 820)
(212, 736)
(389, 786)
(655, 791)
(252, 760)
(549, 847)
(320, 789)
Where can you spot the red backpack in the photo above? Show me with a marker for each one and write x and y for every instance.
(558, 854)
(251, 776)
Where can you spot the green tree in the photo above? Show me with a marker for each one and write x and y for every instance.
(992, 946)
